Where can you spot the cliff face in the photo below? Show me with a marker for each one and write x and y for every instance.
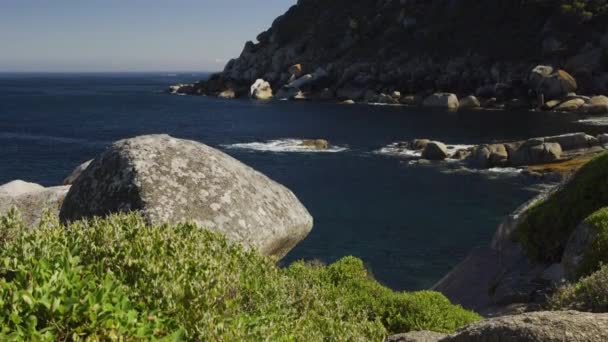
(417, 46)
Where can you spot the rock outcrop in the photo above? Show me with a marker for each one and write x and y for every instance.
(564, 326)
(543, 326)
(31, 200)
(409, 47)
(171, 180)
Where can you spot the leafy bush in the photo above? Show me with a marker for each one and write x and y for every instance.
(588, 294)
(548, 225)
(118, 278)
(596, 253)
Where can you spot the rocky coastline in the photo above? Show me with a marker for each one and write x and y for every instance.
(170, 180)
(398, 53)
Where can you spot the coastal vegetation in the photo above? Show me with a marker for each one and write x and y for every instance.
(118, 277)
(549, 224)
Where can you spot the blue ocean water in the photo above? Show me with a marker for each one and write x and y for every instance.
(410, 223)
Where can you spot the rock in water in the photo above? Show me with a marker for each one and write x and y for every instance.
(172, 180)
(76, 173)
(598, 105)
(564, 326)
(442, 100)
(319, 144)
(469, 102)
(435, 150)
(261, 90)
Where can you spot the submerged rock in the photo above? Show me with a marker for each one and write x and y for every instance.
(172, 180)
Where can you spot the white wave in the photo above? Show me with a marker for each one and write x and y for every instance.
(505, 170)
(596, 121)
(396, 149)
(65, 140)
(284, 145)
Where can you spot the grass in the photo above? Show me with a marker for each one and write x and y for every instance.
(548, 225)
(118, 279)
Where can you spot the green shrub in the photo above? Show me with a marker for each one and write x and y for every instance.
(548, 225)
(588, 294)
(596, 253)
(117, 277)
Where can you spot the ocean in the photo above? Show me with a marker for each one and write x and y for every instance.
(410, 223)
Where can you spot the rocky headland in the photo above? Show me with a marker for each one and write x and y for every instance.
(449, 54)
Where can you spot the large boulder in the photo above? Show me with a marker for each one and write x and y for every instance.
(435, 150)
(572, 141)
(571, 105)
(31, 200)
(562, 326)
(261, 90)
(469, 102)
(534, 152)
(76, 173)
(172, 180)
(442, 100)
(551, 84)
(598, 105)
(486, 156)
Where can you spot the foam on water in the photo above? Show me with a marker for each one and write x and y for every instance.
(284, 145)
(595, 121)
(49, 138)
(396, 150)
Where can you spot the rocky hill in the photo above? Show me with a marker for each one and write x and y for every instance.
(354, 49)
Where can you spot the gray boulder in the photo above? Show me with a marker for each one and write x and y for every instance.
(172, 180)
(563, 326)
(261, 90)
(31, 200)
(76, 173)
(442, 100)
(435, 150)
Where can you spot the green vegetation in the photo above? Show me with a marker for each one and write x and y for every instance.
(596, 253)
(548, 225)
(588, 294)
(114, 278)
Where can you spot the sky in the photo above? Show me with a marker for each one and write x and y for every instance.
(129, 35)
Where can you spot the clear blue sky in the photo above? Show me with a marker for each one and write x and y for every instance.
(129, 35)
